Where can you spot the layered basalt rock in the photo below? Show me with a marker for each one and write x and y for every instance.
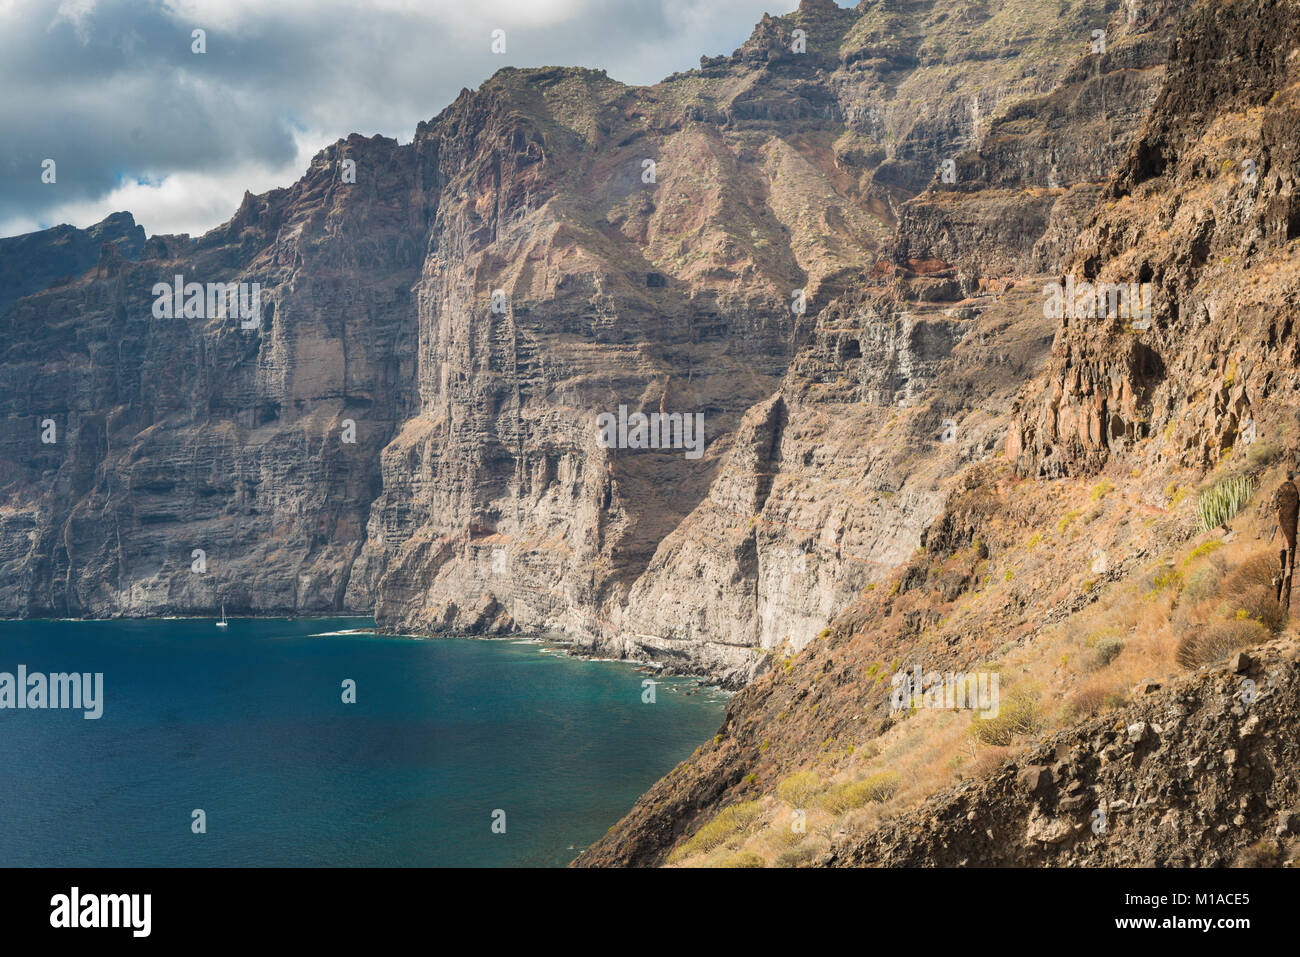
(549, 248)
(173, 435)
(1204, 209)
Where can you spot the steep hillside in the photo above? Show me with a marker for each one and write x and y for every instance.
(1075, 566)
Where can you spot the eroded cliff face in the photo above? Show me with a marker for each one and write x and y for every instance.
(168, 465)
(500, 511)
(1074, 564)
(766, 242)
(1206, 209)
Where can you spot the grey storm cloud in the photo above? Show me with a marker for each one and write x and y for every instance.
(111, 90)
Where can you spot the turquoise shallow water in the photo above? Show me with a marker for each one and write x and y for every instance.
(249, 726)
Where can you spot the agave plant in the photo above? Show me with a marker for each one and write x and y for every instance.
(1216, 506)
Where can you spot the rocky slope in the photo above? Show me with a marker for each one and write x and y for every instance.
(1073, 565)
(1197, 775)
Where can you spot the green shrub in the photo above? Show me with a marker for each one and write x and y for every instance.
(1017, 715)
(729, 823)
(1106, 651)
(855, 794)
(799, 788)
(1219, 504)
(1261, 455)
(1203, 583)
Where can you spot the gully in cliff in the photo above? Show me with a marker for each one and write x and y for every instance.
(658, 430)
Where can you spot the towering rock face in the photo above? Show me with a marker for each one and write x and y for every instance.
(501, 511)
(169, 465)
(1206, 210)
(766, 243)
(584, 256)
(36, 261)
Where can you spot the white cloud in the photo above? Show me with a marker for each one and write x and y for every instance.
(184, 202)
(137, 122)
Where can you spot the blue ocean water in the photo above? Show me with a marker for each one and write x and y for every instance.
(249, 725)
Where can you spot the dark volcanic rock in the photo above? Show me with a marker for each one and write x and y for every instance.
(35, 261)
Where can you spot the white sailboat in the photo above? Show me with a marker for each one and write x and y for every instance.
(223, 623)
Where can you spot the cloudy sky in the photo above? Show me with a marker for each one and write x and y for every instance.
(134, 120)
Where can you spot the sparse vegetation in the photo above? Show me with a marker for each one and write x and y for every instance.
(1261, 455)
(799, 788)
(729, 823)
(853, 794)
(801, 854)
(1018, 715)
(1218, 640)
(1217, 506)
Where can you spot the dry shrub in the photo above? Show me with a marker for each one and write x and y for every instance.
(1255, 571)
(782, 836)
(805, 853)
(988, 761)
(1017, 715)
(1186, 654)
(799, 788)
(855, 794)
(1263, 853)
(1244, 596)
(728, 824)
(1221, 638)
(742, 859)
(1260, 604)
(1086, 702)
